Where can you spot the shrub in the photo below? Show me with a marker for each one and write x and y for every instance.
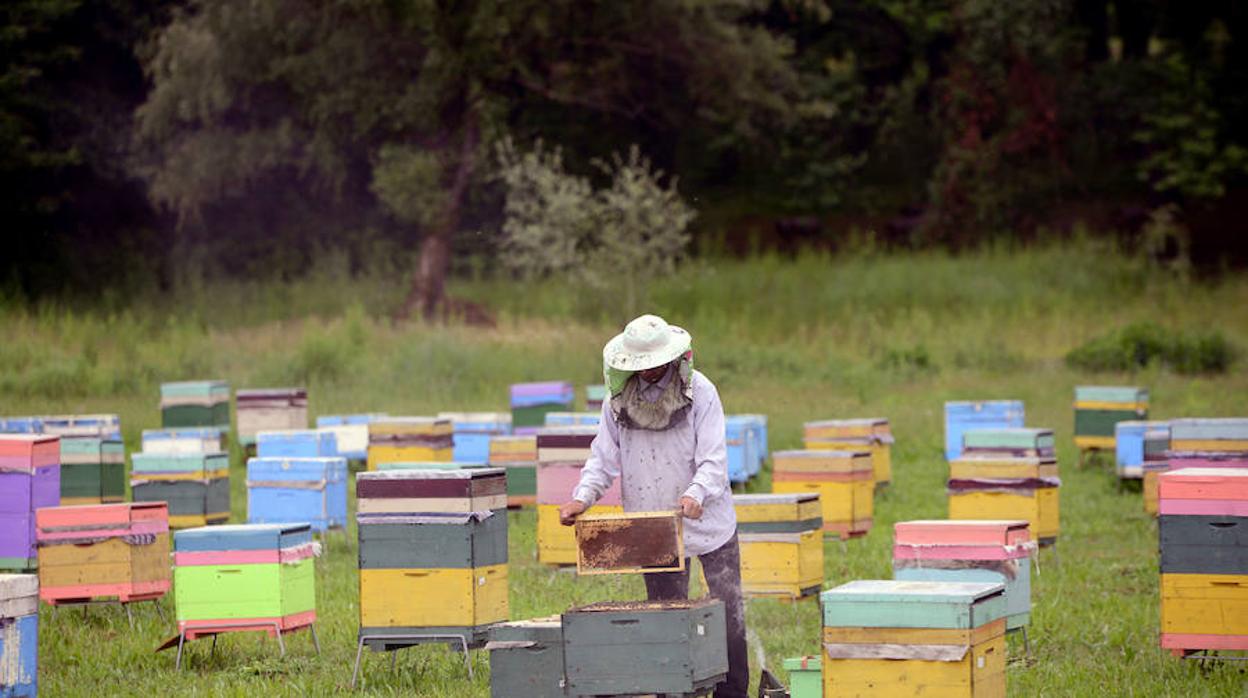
(1140, 344)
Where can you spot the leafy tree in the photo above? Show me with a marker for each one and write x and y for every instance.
(402, 99)
(619, 236)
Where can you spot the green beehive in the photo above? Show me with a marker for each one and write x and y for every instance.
(805, 679)
(526, 659)
(642, 647)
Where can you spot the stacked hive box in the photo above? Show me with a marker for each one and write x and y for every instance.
(399, 439)
(1099, 408)
(595, 395)
(1007, 474)
(21, 425)
(1137, 442)
(195, 404)
(296, 443)
(518, 455)
(270, 409)
(842, 479)
(998, 552)
(873, 434)
(473, 431)
(526, 659)
(30, 478)
(350, 433)
(19, 635)
(195, 485)
(1198, 443)
(988, 414)
(573, 419)
(781, 544)
(531, 401)
(107, 550)
(249, 576)
(561, 453)
(177, 441)
(914, 638)
(665, 647)
(433, 554)
(1203, 533)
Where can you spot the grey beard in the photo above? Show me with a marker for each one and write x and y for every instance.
(660, 415)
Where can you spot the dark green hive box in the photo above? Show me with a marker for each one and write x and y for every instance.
(526, 659)
(522, 480)
(1102, 422)
(187, 497)
(535, 415)
(676, 647)
(452, 541)
(81, 480)
(1203, 544)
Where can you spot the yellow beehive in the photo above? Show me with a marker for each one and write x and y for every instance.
(1038, 506)
(410, 439)
(873, 434)
(979, 674)
(788, 565)
(463, 597)
(556, 543)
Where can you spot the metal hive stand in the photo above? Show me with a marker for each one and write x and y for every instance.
(405, 641)
(272, 628)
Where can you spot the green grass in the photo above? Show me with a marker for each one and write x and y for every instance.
(814, 337)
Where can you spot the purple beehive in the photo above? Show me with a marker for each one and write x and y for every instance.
(30, 478)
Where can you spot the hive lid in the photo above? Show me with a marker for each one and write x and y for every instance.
(897, 591)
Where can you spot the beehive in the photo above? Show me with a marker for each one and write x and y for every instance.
(185, 440)
(531, 401)
(805, 676)
(104, 550)
(195, 404)
(1203, 535)
(1099, 408)
(561, 453)
(962, 416)
(270, 409)
(472, 432)
(393, 439)
(19, 635)
(350, 433)
(526, 659)
(247, 573)
(196, 485)
(781, 544)
(842, 479)
(30, 478)
(93, 470)
(914, 638)
(433, 552)
(518, 456)
(630, 648)
(997, 552)
(1136, 442)
(298, 489)
(873, 434)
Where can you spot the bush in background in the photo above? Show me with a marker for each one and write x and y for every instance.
(1143, 343)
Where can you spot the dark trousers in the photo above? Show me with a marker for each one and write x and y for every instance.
(722, 569)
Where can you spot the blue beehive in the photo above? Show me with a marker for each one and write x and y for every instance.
(741, 439)
(961, 417)
(298, 490)
(350, 433)
(19, 635)
(21, 425)
(759, 425)
(472, 432)
(297, 443)
(573, 419)
(1129, 445)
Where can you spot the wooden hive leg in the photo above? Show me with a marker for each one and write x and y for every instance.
(181, 642)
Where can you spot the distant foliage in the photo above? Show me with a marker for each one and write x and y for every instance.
(1141, 344)
(618, 236)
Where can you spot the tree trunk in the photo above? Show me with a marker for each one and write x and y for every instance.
(428, 291)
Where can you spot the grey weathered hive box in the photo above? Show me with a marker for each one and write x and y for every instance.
(614, 648)
(526, 659)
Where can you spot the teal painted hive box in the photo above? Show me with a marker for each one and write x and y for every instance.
(195, 404)
(526, 659)
(1022, 441)
(805, 678)
(912, 604)
(249, 573)
(630, 648)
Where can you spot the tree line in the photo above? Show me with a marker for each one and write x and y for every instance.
(249, 136)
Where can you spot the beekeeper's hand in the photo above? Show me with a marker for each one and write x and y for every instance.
(690, 507)
(568, 512)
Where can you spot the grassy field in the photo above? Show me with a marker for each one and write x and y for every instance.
(797, 339)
